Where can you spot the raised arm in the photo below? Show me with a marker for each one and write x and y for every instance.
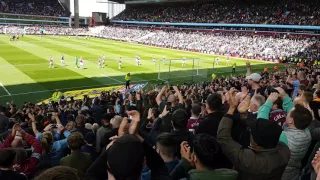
(175, 88)
(33, 123)
(264, 110)
(29, 168)
(159, 96)
(248, 69)
(287, 103)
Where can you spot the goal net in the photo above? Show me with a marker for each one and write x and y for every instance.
(174, 70)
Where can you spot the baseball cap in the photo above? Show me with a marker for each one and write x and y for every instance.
(254, 77)
(126, 157)
(266, 133)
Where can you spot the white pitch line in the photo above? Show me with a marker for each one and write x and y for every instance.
(5, 89)
(111, 78)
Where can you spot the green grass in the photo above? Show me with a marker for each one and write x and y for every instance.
(25, 75)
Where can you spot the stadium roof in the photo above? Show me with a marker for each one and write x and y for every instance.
(167, 1)
(146, 1)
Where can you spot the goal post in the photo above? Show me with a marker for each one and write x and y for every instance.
(174, 70)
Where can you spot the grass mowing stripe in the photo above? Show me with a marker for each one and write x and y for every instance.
(31, 57)
(12, 76)
(49, 78)
(94, 54)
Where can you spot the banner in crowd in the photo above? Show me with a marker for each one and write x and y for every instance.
(93, 92)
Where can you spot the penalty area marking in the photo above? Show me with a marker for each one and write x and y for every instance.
(9, 94)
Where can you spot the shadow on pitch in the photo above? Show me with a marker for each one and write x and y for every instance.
(36, 92)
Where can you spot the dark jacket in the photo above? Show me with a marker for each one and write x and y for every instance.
(210, 124)
(240, 131)
(4, 120)
(83, 131)
(77, 160)
(99, 135)
(170, 166)
(180, 136)
(252, 164)
(159, 171)
(315, 106)
(12, 175)
(185, 170)
(98, 112)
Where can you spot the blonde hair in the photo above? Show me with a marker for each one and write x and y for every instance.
(88, 126)
(95, 127)
(116, 121)
(46, 140)
(70, 125)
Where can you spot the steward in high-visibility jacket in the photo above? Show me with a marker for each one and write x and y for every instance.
(127, 78)
(56, 96)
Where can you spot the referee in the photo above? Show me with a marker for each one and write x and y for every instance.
(127, 78)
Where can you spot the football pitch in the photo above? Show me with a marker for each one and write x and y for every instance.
(25, 76)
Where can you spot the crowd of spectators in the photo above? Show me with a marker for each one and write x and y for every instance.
(241, 44)
(33, 7)
(298, 12)
(34, 30)
(254, 126)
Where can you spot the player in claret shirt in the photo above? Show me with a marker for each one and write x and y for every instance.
(81, 63)
(51, 62)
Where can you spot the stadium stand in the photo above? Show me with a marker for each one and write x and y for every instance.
(253, 126)
(238, 44)
(33, 7)
(288, 13)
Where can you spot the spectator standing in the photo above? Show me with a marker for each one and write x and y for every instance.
(315, 104)
(166, 147)
(214, 109)
(4, 135)
(26, 165)
(204, 157)
(77, 160)
(106, 127)
(98, 109)
(179, 123)
(295, 135)
(194, 120)
(7, 158)
(4, 120)
(266, 159)
(253, 81)
(80, 125)
(89, 147)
